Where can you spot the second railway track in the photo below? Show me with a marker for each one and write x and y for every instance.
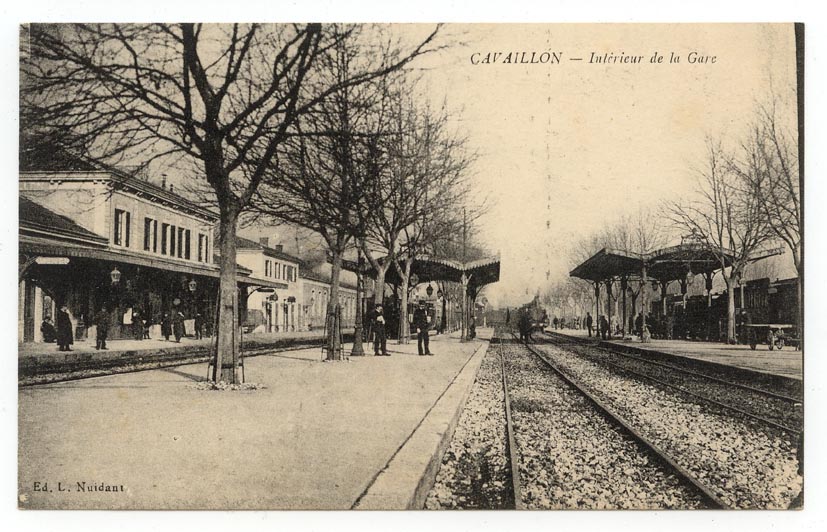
(575, 452)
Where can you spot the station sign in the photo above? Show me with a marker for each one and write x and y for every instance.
(52, 261)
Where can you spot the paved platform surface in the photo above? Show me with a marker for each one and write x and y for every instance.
(786, 362)
(320, 436)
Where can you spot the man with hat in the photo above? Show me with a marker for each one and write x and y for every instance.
(421, 321)
(379, 339)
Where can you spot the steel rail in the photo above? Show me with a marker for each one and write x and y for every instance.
(512, 445)
(584, 343)
(707, 494)
(704, 398)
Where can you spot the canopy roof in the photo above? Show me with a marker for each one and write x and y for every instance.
(667, 264)
(480, 272)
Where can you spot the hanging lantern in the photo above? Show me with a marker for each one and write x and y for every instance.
(414, 279)
(115, 275)
(192, 285)
(439, 293)
(429, 290)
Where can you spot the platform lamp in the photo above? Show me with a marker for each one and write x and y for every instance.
(192, 285)
(115, 275)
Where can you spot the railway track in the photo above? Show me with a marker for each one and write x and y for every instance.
(768, 408)
(106, 370)
(748, 465)
(705, 495)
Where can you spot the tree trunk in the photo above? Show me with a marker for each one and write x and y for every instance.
(227, 341)
(334, 326)
(379, 295)
(799, 321)
(730, 308)
(404, 326)
(404, 332)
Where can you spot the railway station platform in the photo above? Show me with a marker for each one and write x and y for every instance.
(785, 363)
(366, 433)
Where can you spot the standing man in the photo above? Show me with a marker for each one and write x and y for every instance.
(65, 338)
(178, 325)
(102, 323)
(422, 321)
(199, 326)
(166, 326)
(379, 340)
(137, 324)
(604, 327)
(589, 323)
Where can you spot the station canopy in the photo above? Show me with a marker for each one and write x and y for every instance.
(667, 264)
(427, 269)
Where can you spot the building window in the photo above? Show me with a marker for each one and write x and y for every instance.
(187, 235)
(180, 242)
(266, 268)
(122, 228)
(202, 248)
(171, 240)
(150, 235)
(164, 233)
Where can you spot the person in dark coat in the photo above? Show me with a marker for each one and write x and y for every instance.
(554, 322)
(137, 325)
(524, 324)
(507, 316)
(422, 322)
(199, 326)
(102, 326)
(64, 335)
(166, 326)
(379, 338)
(604, 327)
(639, 324)
(178, 325)
(48, 331)
(589, 323)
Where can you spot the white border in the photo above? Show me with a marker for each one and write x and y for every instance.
(425, 11)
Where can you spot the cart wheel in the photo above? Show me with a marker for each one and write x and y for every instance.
(753, 345)
(770, 340)
(779, 343)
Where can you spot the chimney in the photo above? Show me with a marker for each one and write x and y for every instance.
(280, 248)
(171, 187)
(163, 181)
(264, 241)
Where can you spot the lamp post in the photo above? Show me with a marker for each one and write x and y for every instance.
(358, 349)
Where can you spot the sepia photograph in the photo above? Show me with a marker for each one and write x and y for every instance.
(410, 266)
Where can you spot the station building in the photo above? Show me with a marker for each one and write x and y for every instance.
(271, 309)
(315, 289)
(93, 236)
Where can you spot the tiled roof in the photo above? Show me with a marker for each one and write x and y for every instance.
(36, 216)
(246, 243)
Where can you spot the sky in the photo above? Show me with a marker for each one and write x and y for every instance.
(564, 149)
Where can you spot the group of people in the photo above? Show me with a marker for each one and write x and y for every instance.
(172, 325)
(421, 322)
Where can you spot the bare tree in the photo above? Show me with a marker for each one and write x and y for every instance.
(727, 218)
(225, 98)
(769, 165)
(327, 174)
